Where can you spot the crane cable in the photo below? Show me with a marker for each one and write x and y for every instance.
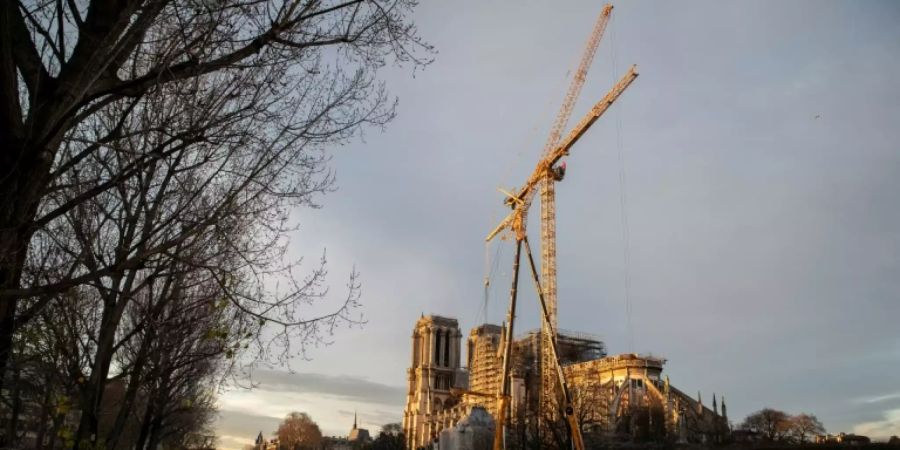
(490, 268)
(623, 202)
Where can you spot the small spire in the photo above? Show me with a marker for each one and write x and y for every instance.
(724, 412)
(715, 407)
(354, 419)
(699, 404)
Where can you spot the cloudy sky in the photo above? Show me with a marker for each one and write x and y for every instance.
(760, 153)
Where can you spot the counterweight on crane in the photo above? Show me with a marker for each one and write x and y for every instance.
(543, 178)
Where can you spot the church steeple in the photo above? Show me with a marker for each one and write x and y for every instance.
(724, 411)
(354, 419)
(715, 406)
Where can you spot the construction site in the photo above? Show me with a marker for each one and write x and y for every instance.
(606, 398)
(546, 388)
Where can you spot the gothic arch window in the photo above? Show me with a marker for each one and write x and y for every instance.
(437, 347)
(416, 338)
(447, 348)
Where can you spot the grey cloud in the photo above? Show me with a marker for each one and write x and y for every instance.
(347, 387)
(883, 398)
(245, 425)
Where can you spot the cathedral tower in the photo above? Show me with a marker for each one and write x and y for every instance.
(434, 370)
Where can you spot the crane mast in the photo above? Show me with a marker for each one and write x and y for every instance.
(548, 200)
(548, 275)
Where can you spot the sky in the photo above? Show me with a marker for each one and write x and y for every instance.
(745, 187)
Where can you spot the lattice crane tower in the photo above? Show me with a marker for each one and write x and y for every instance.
(548, 206)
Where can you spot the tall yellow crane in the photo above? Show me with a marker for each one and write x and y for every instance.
(548, 201)
(543, 178)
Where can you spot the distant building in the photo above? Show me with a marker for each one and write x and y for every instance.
(262, 444)
(623, 395)
(842, 438)
(358, 435)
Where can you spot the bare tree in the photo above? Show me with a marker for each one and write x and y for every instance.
(207, 282)
(175, 369)
(151, 153)
(771, 424)
(298, 432)
(803, 426)
(280, 80)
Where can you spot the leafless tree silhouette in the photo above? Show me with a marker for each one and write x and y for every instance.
(152, 151)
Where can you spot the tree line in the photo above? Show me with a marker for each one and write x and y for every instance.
(151, 155)
(773, 425)
(298, 431)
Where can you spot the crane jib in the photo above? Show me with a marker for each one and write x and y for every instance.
(541, 172)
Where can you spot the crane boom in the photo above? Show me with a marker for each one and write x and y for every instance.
(587, 57)
(525, 194)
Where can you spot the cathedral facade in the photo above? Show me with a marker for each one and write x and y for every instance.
(434, 371)
(623, 397)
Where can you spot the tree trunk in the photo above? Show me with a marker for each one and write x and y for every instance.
(128, 401)
(92, 394)
(9, 437)
(155, 433)
(54, 431)
(10, 275)
(45, 416)
(145, 425)
(112, 440)
(23, 178)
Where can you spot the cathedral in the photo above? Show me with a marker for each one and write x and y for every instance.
(620, 397)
